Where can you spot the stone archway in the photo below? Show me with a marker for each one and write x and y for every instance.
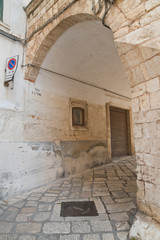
(135, 26)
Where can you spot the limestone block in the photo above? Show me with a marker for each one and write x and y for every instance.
(134, 57)
(150, 196)
(120, 32)
(138, 90)
(127, 6)
(137, 76)
(144, 102)
(151, 4)
(145, 228)
(142, 35)
(156, 146)
(149, 130)
(135, 105)
(150, 17)
(137, 131)
(153, 85)
(148, 52)
(123, 48)
(155, 100)
(115, 19)
(144, 71)
(140, 192)
(152, 66)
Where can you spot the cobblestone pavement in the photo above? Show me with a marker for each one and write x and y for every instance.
(36, 215)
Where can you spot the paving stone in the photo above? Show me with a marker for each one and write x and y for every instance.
(36, 194)
(27, 238)
(53, 237)
(56, 227)
(47, 199)
(108, 236)
(120, 207)
(119, 194)
(56, 213)
(19, 204)
(107, 200)
(33, 198)
(23, 217)
(31, 203)
(122, 235)
(28, 228)
(80, 227)
(122, 226)
(5, 227)
(99, 206)
(101, 226)
(44, 207)
(8, 237)
(8, 216)
(85, 195)
(123, 200)
(28, 209)
(119, 217)
(91, 237)
(70, 237)
(41, 216)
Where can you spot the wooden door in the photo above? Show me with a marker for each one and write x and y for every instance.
(119, 132)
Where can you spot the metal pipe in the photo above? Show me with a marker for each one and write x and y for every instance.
(74, 79)
(12, 37)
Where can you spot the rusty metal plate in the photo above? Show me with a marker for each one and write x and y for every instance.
(78, 209)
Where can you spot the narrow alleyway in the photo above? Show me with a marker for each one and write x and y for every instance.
(36, 215)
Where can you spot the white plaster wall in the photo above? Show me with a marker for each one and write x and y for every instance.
(14, 22)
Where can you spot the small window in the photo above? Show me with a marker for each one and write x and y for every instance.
(77, 116)
(78, 110)
(1, 10)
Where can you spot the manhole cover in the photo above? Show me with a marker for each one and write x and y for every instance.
(78, 209)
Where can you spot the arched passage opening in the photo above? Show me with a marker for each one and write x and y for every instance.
(82, 70)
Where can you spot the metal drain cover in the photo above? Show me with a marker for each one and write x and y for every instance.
(78, 209)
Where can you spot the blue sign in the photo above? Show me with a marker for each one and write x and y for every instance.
(12, 63)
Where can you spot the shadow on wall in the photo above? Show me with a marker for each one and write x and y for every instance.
(27, 165)
(83, 155)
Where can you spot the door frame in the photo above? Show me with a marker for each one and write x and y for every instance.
(131, 147)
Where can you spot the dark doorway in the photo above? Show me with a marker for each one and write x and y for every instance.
(119, 131)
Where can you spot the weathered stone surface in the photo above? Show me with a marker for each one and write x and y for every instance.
(28, 227)
(119, 217)
(27, 238)
(80, 227)
(145, 227)
(122, 235)
(5, 228)
(101, 226)
(41, 216)
(56, 227)
(70, 237)
(120, 207)
(91, 237)
(108, 236)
